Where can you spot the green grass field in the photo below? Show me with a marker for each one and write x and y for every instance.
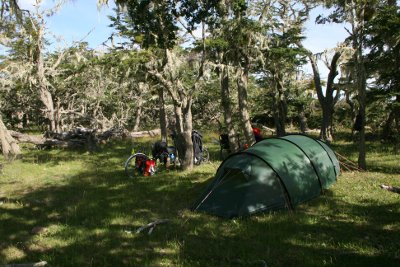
(72, 208)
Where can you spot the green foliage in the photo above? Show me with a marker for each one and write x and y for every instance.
(155, 22)
(383, 41)
(87, 213)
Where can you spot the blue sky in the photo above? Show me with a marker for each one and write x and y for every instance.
(77, 18)
(323, 36)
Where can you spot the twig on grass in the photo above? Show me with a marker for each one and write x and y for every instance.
(393, 189)
(37, 264)
(152, 225)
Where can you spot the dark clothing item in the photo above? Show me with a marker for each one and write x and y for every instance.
(224, 141)
(159, 148)
(197, 144)
(358, 123)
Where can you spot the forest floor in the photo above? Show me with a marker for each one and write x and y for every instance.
(72, 208)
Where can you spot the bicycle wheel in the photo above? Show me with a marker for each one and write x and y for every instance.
(135, 165)
(205, 157)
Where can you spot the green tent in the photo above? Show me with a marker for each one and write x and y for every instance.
(273, 174)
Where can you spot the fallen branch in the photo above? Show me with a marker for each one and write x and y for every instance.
(150, 133)
(393, 189)
(62, 140)
(348, 164)
(38, 264)
(312, 131)
(26, 138)
(38, 140)
(151, 226)
(268, 129)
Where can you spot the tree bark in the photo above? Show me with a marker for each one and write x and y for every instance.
(397, 125)
(280, 106)
(139, 105)
(45, 95)
(227, 108)
(302, 120)
(362, 164)
(150, 133)
(9, 145)
(327, 102)
(26, 138)
(387, 128)
(183, 141)
(357, 14)
(163, 115)
(182, 101)
(242, 82)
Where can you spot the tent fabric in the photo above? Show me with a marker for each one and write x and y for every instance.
(276, 173)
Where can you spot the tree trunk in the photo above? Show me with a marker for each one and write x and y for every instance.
(358, 35)
(302, 120)
(47, 100)
(19, 116)
(45, 95)
(242, 82)
(280, 110)
(57, 116)
(397, 125)
(227, 108)
(327, 102)
(362, 164)
(183, 138)
(138, 115)
(163, 115)
(9, 146)
(352, 111)
(387, 128)
(325, 131)
(182, 100)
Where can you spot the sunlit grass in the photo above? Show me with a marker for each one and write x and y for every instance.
(73, 208)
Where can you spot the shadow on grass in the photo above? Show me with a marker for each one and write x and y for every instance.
(56, 155)
(299, 239)
(91, 221)
(380, 156)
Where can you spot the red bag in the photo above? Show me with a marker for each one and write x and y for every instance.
(150, 167)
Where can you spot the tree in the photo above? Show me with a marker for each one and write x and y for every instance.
(283, 56)
(383, 40)
(37, 37)
(357, 13)
(218, 53)
(301, 99)
(154, 24)
(8, 31)
(30, 44)
(9, 146)
(329, 99)
(124, 26)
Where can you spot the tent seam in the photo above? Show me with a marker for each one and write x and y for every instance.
(312, 164)
(334, 169)
(277, 174)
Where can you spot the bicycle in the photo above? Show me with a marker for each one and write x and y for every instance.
(200, 153)
(203, 157)
(139, 164)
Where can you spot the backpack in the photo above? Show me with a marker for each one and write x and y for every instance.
(197, 145)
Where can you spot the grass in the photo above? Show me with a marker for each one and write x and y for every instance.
(71, 208)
